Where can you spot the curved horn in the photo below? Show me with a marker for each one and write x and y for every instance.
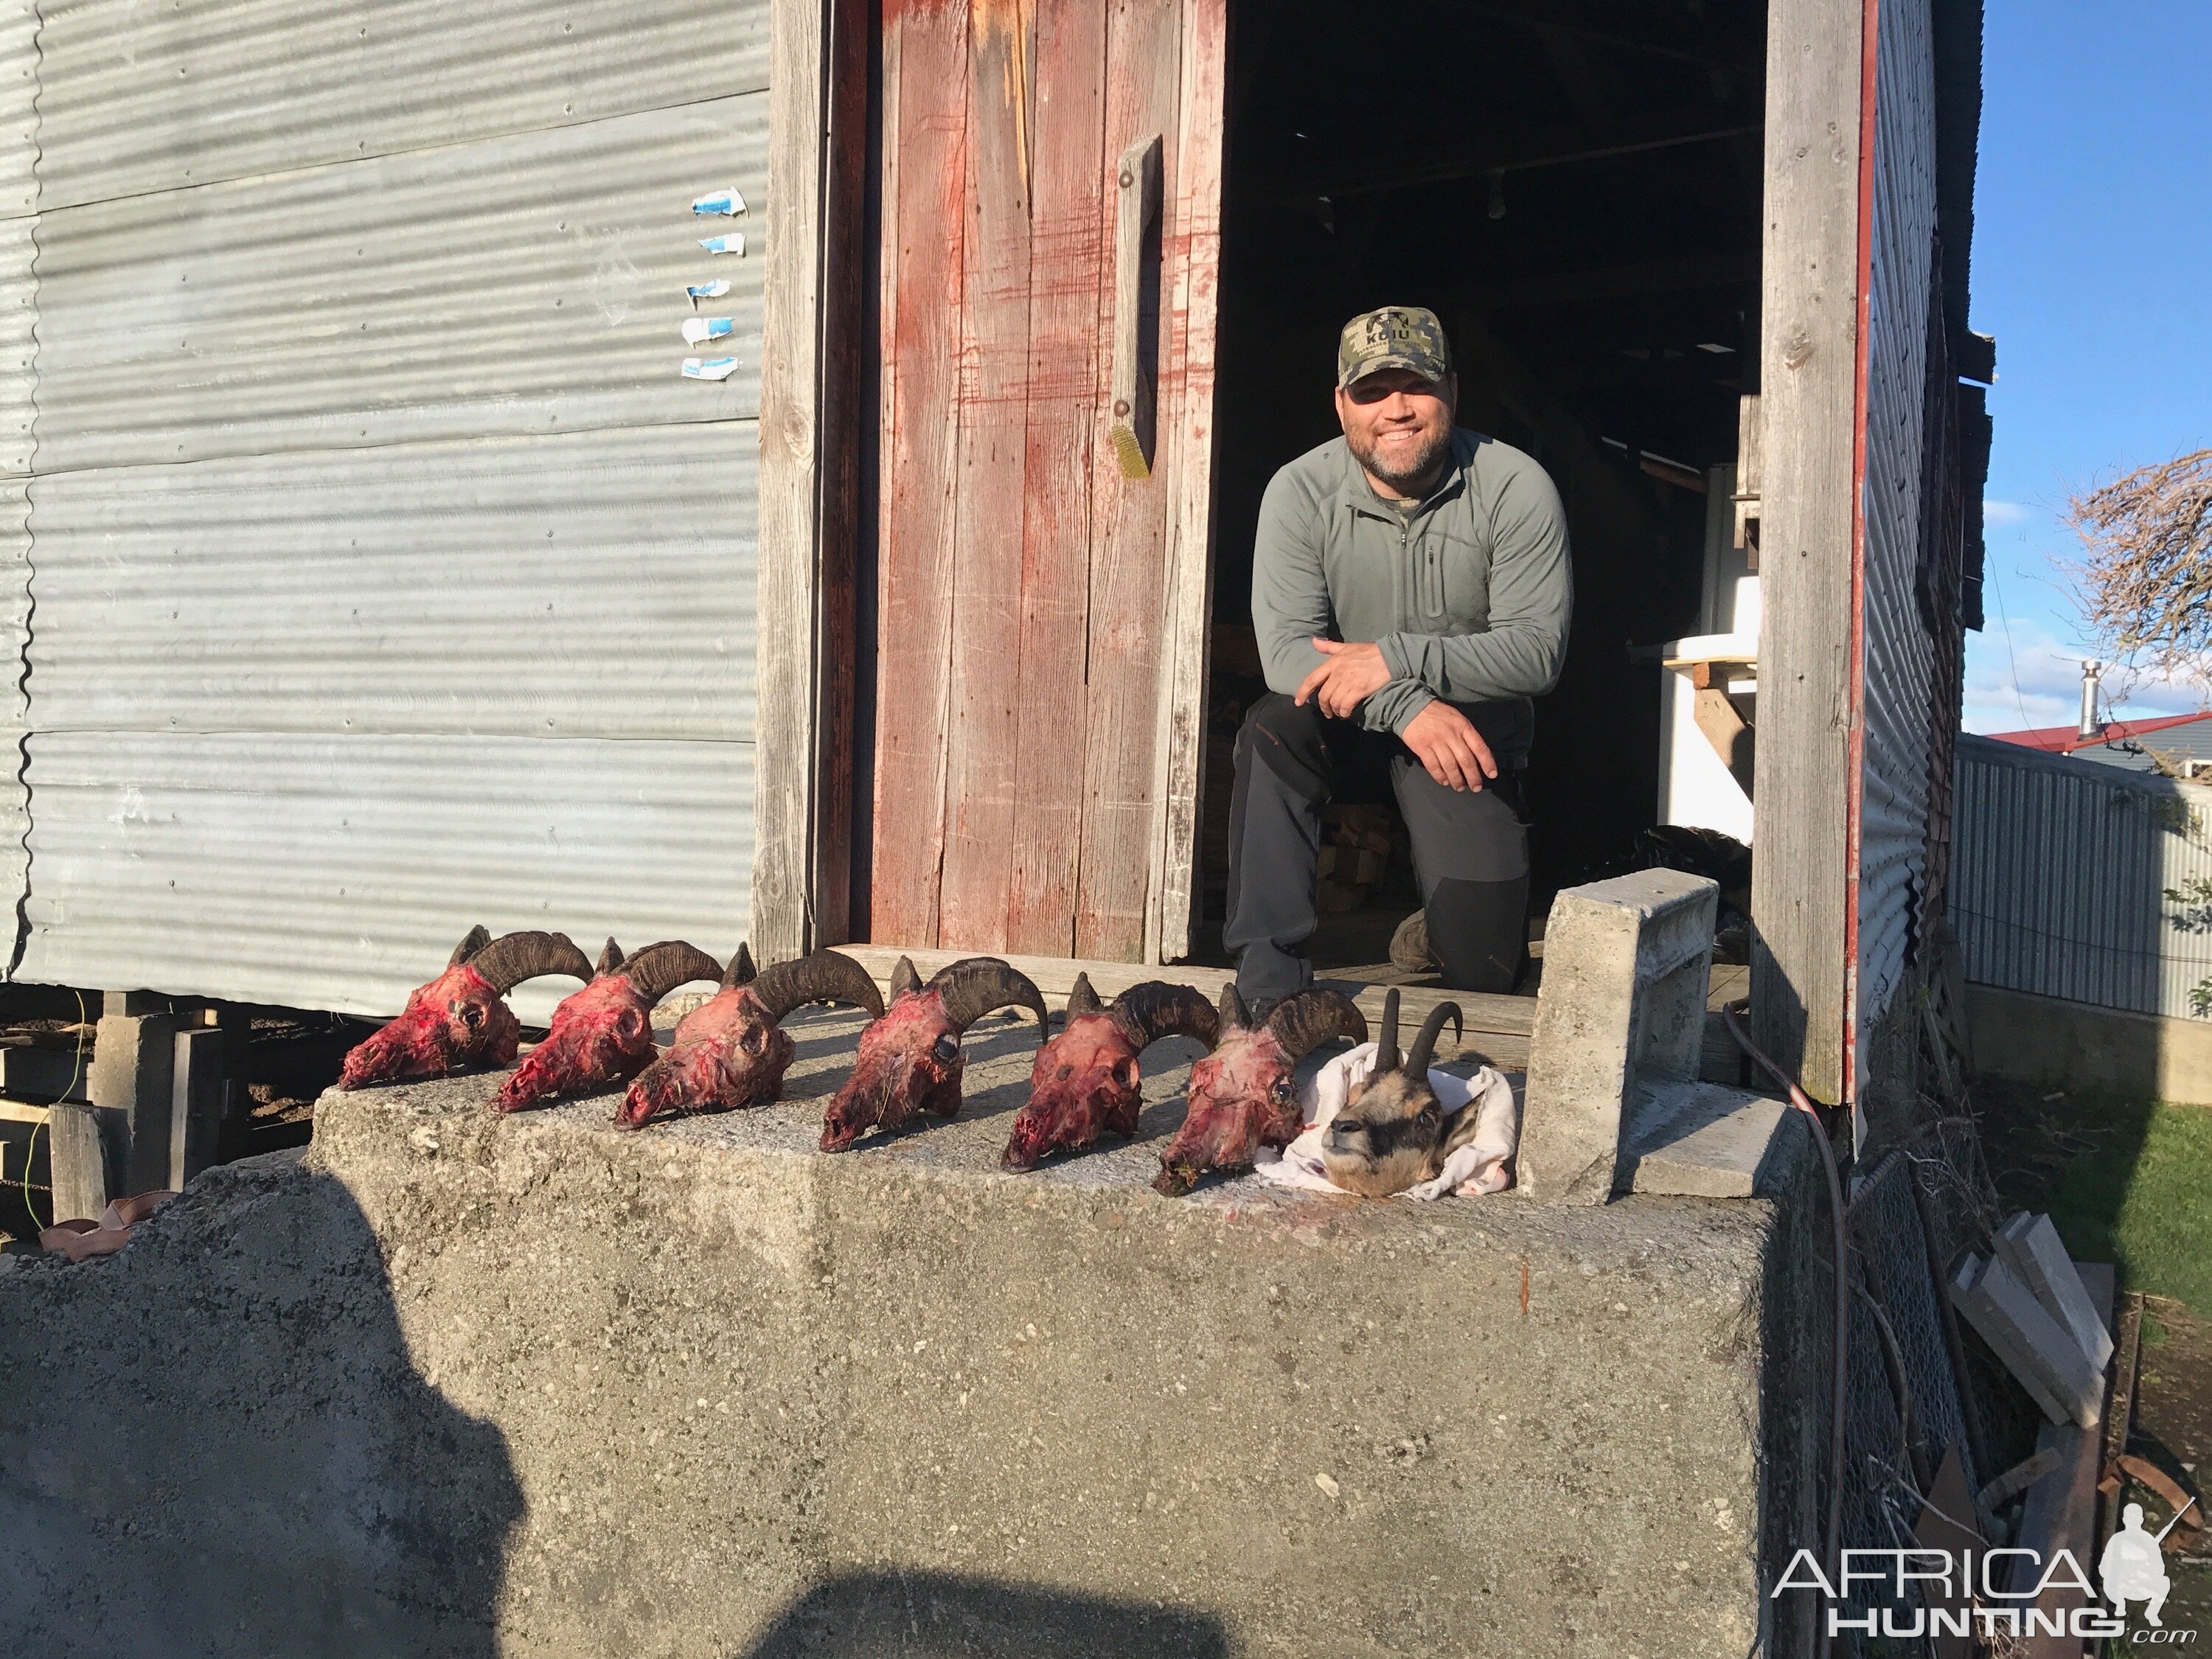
(1305, 1019)
(610, 958)
(972, 988)
(513, 958)
(741, 970)
(904, 980)
(825, 977)
(1386, 1045)
(660, 968)
(1417, 1063)
(479, 936)
(1156, 1009)
(1232, 1014)
(1082, 1000)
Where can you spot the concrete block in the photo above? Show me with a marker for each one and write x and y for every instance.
(195, 1102)
(1626, 963)
(133, 1056)
(133, 1002)
(532, 1384)
(2031, 1247)
(1707, 1140)
(2034, 1347)
(76, 1155)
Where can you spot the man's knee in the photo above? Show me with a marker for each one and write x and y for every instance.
(1478, 932)
(1288, 741)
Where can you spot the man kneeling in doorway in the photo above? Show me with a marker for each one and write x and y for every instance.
(1411, 590)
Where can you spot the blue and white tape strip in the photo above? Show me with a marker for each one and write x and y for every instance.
(728, 202)
(732, 243)
(713, 290)
(709, 368)
(697, 331)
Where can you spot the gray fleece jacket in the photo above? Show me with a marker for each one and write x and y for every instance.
(1467, 593)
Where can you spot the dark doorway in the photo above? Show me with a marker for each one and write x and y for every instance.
(1575, 189)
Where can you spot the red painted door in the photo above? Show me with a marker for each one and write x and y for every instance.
(1043, 605)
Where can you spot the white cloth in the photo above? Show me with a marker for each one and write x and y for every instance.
(1476, 1168)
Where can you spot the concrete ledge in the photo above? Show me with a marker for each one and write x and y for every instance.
(464, 1384)
(2048, 1040)
(1707, 1140)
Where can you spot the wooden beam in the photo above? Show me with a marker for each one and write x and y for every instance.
(1567, 288)
(1373, 181)
(1809, 377)
(2060, 1509)
(1188, 449)
(77, 1154)
(810, 363)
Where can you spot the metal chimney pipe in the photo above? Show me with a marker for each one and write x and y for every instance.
(2090, 727)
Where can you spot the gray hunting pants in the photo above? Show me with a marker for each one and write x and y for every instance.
(1470, 850)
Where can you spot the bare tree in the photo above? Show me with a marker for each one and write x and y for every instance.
(2145, 583)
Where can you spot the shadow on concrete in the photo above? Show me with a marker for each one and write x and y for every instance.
(217, 1442)
(933, 1615)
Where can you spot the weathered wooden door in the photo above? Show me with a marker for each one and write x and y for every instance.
(1046, 267)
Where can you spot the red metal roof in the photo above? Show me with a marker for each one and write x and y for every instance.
(2065, 739)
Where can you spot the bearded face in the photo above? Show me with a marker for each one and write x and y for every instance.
(1399, 425)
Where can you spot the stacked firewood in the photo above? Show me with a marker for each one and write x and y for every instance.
(1355, 854)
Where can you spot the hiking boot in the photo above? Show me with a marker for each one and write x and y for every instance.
(1409, 945)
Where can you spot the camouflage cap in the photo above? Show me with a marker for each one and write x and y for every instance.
(1396, 337)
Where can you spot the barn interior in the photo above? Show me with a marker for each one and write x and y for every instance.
(1575, 189)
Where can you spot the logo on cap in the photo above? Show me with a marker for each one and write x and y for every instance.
(1394, 336)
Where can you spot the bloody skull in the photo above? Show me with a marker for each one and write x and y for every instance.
(1243, 1095)
(733, 1051)
(1086, 1081)
(910, 1059)
(603, 1034)
(461, 1018)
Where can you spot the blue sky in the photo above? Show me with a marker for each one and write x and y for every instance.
(2092, 259)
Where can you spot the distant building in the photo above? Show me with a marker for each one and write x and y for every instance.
(2173, 745)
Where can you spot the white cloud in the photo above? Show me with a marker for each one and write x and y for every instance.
(2004, 513)
(2037, 681)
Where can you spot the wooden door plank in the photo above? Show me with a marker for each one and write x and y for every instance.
(1188, 443)
(841, 260)
(1067, 269)
(990, 408)
(1130, 519)
(925, 191)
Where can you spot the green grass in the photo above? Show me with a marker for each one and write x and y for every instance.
(2128, 1181)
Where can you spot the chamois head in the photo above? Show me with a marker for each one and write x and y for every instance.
(1393, 1132)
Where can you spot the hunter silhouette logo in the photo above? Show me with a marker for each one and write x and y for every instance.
(2133, 1566)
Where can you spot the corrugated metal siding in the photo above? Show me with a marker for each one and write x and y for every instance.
(337, 873)
(594, 583)
(532, 284)
(388, 578)
(1899, 658)
(19, 201)
(2060, 867)
(19, 113)
(141, 97)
